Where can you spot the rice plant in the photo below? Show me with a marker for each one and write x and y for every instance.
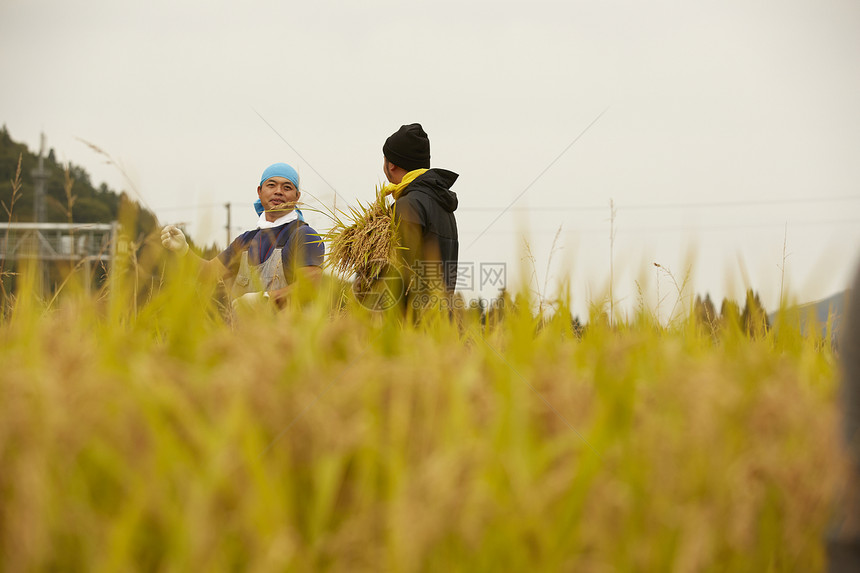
(363, 240)
(164, 438)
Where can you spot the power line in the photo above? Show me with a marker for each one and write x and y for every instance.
(678, 228)
(213, 206)
(619, 206)
(655, 206)
(189, 207)
(541, 174)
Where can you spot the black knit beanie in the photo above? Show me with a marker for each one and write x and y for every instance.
(408, 148)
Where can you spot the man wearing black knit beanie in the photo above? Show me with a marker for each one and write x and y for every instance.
(424, 208)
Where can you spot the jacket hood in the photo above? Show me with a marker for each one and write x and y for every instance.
(437, 184)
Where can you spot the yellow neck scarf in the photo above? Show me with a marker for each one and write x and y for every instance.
(397, 189)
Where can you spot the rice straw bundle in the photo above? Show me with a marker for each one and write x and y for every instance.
(364, 242)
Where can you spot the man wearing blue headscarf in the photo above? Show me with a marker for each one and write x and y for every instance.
(262, 264)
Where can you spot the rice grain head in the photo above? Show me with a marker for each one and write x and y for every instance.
(364, 240)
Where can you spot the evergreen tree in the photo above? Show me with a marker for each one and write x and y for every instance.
(705, 313)
(91, 205)
(754, 317)
(730, 314)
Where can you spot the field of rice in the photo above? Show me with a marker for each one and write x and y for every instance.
(143, 431)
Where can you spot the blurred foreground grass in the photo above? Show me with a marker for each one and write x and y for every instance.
(154, 436)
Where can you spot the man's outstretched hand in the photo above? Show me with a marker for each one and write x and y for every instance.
(173, 239)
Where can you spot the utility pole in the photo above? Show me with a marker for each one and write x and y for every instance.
(612, 212)
(227, 206)
(40, 177)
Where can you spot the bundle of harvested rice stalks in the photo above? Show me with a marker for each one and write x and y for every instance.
(364, 241)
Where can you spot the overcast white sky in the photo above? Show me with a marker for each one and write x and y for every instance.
(724, 122)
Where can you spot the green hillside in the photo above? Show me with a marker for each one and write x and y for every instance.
(91, 204)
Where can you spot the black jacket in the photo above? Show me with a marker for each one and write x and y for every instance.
(428, 230)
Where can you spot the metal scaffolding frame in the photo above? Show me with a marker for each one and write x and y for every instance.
(58, 241)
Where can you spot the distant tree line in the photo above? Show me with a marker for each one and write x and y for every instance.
(91, 204)
(81, 202)
(751, 319)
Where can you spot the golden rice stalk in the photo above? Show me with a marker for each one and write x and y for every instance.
(364, 241)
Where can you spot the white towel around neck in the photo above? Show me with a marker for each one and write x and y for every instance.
(263, 223)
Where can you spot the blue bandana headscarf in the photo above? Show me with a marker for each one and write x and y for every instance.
(278, 170)
(281, 170)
